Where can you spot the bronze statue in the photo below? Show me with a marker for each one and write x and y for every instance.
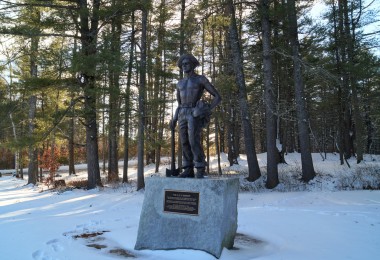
(192, 115)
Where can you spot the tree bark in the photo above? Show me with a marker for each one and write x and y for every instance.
(161, 81)
(71, 129)
(142, 93)
(114, 100)
(280, 74)
(270, 100)
(33, 152)
(308, 172)
(14, 129)
(159, 86)
(233, 133)
(71, 144)
(350, 28)
(253, 165)
(127, 101)
(89, 36)
(346, 131)
(232, 108)
(337, 53)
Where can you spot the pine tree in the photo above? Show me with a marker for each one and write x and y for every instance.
(308, 172)
(270, 99)
(142, 97)
(253, 166)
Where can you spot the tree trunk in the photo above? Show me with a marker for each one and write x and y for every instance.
(72, 120)
(217, 147)
(233, 135)
(150, 105)
(127, 101)
(93, 170)
(213, 73)
(142, 93)
(232, 108)
(270, 100)
(340, 140)
(14, 129)
(104, 140)
(114, 104)
(302, 115)
(71, 143)
(161, 87)
(346, 130)
(89, 37)
(253, 165)
(159, 95)
(280, 76)
(17, 152)
(33, 152)
(359, 125)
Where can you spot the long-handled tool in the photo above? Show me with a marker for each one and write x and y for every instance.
(173, 171)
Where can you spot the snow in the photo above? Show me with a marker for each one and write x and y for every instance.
(293, 221)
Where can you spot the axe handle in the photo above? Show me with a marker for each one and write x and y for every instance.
(173, 150)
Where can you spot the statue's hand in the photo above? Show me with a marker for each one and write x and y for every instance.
(202, 109)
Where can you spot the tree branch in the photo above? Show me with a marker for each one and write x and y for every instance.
(70, 7)
(372, 33)
(7, 31)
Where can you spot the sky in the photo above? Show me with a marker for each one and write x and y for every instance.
(319, 8)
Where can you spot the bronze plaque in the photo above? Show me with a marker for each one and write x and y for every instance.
(181, 202)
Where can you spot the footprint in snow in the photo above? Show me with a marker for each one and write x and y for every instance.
(55, 245)
(41, 255)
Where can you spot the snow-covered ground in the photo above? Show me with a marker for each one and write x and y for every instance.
(293, 221)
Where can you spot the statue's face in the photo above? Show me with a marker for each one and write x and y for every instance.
(187, 66)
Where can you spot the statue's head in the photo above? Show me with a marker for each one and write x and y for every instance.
(190, 58)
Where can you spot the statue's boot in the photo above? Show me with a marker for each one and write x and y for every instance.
(200, 173)
(187, 173)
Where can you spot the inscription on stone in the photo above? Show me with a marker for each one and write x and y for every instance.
(181, 202)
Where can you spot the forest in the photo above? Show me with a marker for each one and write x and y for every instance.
(94, 81)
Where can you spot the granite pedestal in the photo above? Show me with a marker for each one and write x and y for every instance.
(186, 213)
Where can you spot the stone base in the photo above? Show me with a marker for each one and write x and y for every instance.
(207, 224)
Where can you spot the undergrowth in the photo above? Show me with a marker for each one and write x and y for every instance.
(362, 177)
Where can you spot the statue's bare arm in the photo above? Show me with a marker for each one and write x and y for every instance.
(212, 90)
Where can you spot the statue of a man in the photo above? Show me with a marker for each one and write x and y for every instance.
(192, 115)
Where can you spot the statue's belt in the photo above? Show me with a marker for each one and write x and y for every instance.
(187, 105)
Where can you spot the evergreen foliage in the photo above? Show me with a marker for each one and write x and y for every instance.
(75, 74)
